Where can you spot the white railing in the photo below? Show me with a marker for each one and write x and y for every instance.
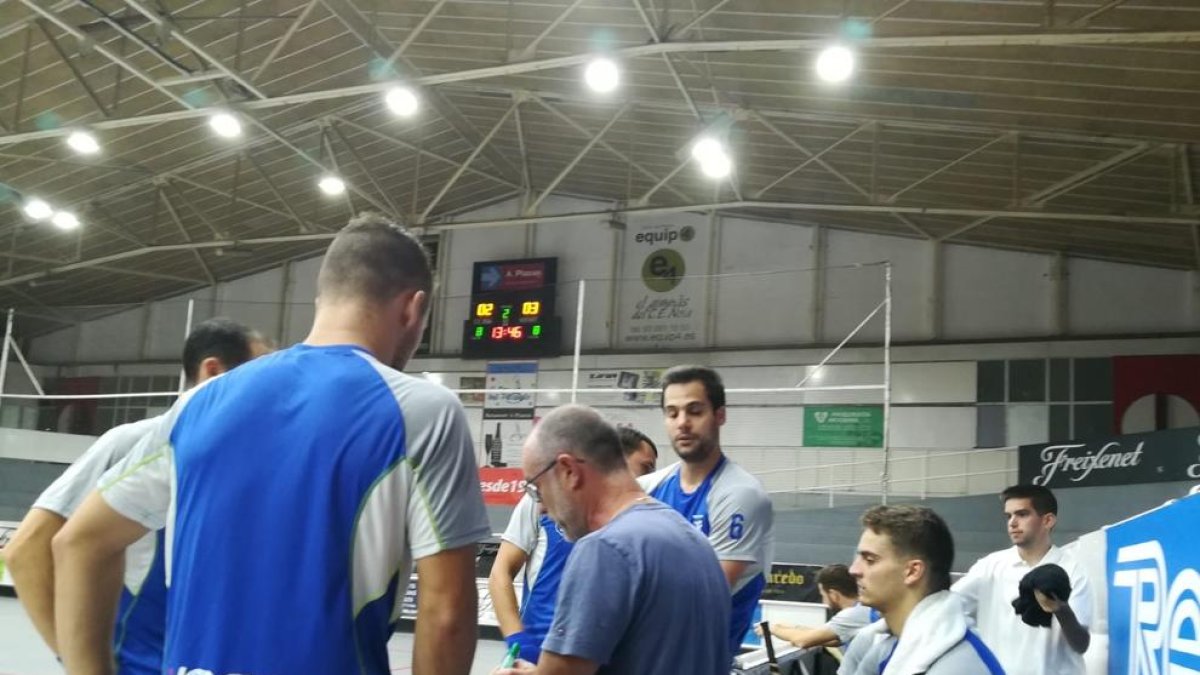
(997, 466)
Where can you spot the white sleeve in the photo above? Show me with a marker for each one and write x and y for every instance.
(846, 623)
(139, 486)
(740, 523)
(971, 586)
(522, 530)
(67, 492)
(445, 505)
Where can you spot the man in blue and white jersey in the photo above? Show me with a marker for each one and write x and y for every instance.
(533, 544)
(718, 497)
(212, 347)
(296, 492)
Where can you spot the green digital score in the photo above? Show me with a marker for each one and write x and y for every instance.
(537, 330)
(478, 332)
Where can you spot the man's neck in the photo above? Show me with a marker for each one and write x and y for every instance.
(1034, 553)
(617, 493)
(692, 474)
(897, 616)
(349, 324)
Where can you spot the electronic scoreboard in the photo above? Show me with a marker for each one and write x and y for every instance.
(512, 310)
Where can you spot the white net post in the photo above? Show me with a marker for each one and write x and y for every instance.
(187, 329)
(4, 352)
(887, 381)
(578, 341)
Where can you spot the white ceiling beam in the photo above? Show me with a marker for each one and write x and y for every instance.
(635, 211)
(813, 157)
(945, 167)
(165, 23)
(462, 169)
(105, 52)
(595, 139)
(476, 74)
(606, 145)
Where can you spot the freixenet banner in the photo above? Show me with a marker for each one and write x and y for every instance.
(1155, 457)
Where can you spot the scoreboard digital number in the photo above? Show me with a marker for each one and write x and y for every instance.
(512, 310)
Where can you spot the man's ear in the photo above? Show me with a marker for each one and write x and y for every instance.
(209, 367)
(914, 571)
(415, 307)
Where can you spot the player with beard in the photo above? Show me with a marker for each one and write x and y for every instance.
(721, 499)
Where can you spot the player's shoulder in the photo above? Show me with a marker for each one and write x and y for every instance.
(733, 480)
(413, 391)
(652, 480)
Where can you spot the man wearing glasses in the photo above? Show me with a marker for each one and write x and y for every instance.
(533, 547)
(642, 591)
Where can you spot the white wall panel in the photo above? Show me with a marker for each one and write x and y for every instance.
(933, 427)
(767, 307)
(1115, 298)
(850, 294)
(585, 250)
(991, 293)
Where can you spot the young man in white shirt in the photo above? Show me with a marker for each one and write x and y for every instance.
(1031, 512)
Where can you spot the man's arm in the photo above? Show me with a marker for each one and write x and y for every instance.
(552, 664)
(805, 637)
(1076, 635)
(447, 613)
(509, 561)
(89, 561)
(31, 564)
(733, 570)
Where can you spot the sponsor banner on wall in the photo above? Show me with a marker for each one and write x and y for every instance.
(627, 379)
(834, 426)
(501, 486)
(1153, 578)
(1155, 457)
(508, 415)
(664, 300)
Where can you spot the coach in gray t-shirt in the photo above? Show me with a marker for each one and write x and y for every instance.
(642, 593)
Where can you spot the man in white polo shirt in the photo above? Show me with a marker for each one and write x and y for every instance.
(991, 585)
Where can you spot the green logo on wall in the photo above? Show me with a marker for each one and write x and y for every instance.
(859, 426)
(663, 270)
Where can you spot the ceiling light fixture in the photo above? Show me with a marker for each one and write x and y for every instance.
(83, 142)
(332, 185)
(37, 209)
(602, 75)
(835, 64)
(225, 125)
(402, 101)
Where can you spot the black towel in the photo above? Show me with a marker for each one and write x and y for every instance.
(1049, 579)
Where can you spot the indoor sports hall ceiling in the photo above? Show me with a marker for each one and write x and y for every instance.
(1045, 125)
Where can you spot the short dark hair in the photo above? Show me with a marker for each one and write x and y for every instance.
(227, 340)
(581, 431)
(837, 578)
(632, 439)
(374, 259)
(714, 388)
(1042, 498)
(919, 532)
